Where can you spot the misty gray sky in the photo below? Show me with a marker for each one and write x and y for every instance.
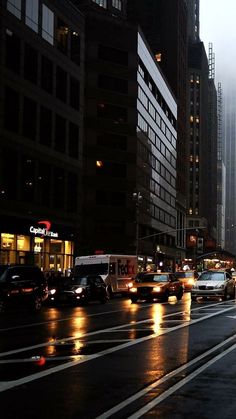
(218, 25)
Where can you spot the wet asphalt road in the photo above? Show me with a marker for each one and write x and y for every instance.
(120, 360)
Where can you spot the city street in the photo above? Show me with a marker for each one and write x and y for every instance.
(120, 360)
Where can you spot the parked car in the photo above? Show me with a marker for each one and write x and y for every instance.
(187, 278)
(151, 286)
(78, 290)
(22, 286)
(214, 283)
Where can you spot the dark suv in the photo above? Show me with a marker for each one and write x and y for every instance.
(22, 286)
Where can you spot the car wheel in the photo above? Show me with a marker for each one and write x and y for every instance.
(226, 295)
(2, 306)
(180, 294)
(134, 300)
(110, 292)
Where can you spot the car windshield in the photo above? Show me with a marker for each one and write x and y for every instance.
(211, 276)
(77, 281)
(153, 278)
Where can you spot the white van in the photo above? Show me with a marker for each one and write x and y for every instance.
(116, 270)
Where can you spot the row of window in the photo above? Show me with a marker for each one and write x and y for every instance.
(42, 22)
(158, 213)
(156, 92)
(40, 123)
(117, 4)
(148, 105)
(37, 182)
(39, 70)
(156, 141)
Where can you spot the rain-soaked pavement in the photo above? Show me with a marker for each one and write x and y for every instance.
(120, 360)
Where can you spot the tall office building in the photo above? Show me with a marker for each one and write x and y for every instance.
(41, 125)
(164, 23)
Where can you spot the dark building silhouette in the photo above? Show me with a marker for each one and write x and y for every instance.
(41, 124)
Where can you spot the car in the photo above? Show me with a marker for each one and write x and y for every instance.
(187, 278)
(151, 286)
(214, 283)
(78, 290)
(22, 286)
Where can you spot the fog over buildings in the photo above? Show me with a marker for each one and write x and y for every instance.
(217, 26)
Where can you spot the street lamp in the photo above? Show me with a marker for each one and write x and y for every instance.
(137, 197)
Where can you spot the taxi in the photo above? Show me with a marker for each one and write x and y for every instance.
(150, 286)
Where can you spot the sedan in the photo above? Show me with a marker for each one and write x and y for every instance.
(79, 290)
(151, 286)
(214, 283)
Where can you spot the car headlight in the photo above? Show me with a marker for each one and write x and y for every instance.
(195, 287)
(79, 290)
(221, 286)
(130, 285)
(52, 291)
(133, 289)
(156, 289)
(191, 281)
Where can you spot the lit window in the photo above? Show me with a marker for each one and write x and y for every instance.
(190, 211)
(99, 163)
(31, 14)
(117, 4)
(191, 78)
(14, 6)
(197, 79)
(102, 3)
(47, 24)
(191, 118)
(158, 57)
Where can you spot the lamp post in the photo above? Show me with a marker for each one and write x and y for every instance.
(137, 197)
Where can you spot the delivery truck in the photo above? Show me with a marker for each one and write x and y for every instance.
(116, 270)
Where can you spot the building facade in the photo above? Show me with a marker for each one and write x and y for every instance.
(41, 125)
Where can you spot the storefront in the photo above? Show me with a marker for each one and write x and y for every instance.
(40, 243)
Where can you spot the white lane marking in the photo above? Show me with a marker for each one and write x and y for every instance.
(7, 385)
(95, 314)
(231, 317)
(162, 380)
(180, 384)
(108, 330)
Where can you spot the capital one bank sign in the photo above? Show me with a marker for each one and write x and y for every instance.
(43, 231)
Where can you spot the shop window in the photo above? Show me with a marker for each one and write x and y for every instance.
(29, 118)
(74, 93)
(23, 243)
(56, 246)
(31, 14)
(61, 84)
(38, 245)
(13, 51)
(68, 248)
(14, 6)
(60, 133)
(31, 64)
(46, 74)
(75, 48)
(62, 35)
(11, 110)
(47, 24)
(45, 126)
(8, 241)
